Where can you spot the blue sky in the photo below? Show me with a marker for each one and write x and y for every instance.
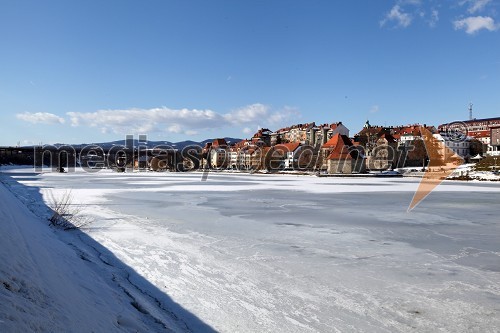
(93, 71)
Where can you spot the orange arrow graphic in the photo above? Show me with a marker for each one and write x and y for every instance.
(442, 162)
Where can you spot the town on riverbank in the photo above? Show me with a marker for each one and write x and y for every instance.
(325, 149)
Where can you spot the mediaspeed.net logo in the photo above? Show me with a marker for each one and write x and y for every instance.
(443, 161)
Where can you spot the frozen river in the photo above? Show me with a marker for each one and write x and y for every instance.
(284, 253)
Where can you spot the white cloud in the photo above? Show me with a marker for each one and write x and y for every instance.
(247, 114)
(404, 12)
(475, 5)
(175, 128)
(434, 18)
(186, 121)
(146, 120)
(397, 15)
(473, 24)
(40, 118)
(286, 115)
(247, 130)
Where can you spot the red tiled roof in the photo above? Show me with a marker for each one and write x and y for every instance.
(410, 129)
(240, 144)
(219, 142)
(396, 131)
(340, 152)
(340, 147)
(339, 155)
(374, 130)
(336, 140)
(288, 147)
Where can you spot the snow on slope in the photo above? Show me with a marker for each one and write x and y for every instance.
(47, 286)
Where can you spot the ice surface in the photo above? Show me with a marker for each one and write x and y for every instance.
(286, 253)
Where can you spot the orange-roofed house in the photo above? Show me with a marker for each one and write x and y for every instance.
(342, 156)
(329, 146)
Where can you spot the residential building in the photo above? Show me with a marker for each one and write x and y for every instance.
(384, 155)
(288, 152)
(216, 154)
(459, 147)
(319, 135)
(262, 137)
(479, 129)
(308, 134)
(494, 147)
(342, 156)
(386, 146)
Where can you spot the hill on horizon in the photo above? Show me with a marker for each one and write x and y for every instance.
(149, 144)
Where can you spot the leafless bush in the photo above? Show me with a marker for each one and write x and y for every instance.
(66, 214)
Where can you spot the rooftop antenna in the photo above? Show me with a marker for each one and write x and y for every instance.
(470, 111)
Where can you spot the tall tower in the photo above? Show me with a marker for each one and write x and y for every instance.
(470, 111)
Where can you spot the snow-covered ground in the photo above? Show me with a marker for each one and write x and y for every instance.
(284, 253)
(469, 169)
(461, 170)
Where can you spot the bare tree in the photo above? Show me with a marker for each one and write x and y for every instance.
(66, 214)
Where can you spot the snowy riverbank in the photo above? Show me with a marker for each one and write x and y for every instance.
(52, 281)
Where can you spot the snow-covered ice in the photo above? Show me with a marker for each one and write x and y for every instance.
(285, 253)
